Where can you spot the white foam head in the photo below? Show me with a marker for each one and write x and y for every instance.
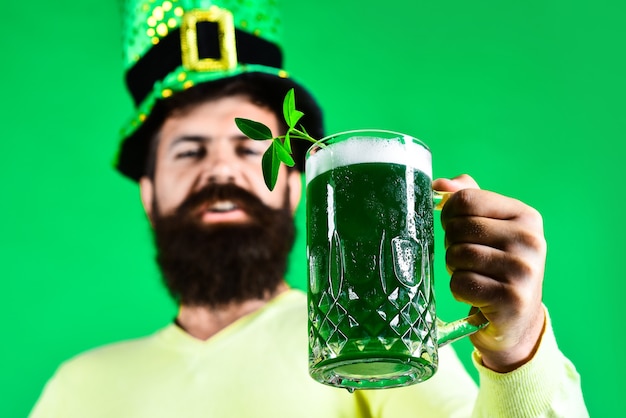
(367, 148)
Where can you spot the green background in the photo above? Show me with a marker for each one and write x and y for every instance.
(527, 97)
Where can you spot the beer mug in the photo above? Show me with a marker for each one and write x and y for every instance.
(370, 233)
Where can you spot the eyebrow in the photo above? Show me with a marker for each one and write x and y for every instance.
(203, 139)
(188, 138)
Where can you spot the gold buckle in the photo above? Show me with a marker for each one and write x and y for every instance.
(226, 39)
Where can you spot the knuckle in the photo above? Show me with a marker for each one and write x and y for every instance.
(464, 228)
(532, 217)
(538, 243)
(527, 239)
(452, 228)
(463, 199)
(463, 255)
(521, 268)
(522, 273)
(474, 288)
(463, 287)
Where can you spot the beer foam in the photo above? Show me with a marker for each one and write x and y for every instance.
(368, 149)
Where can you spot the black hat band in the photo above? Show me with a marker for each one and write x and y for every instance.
(164, 57)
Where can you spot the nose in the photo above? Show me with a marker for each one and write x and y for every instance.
(220, 166)
(220, 174)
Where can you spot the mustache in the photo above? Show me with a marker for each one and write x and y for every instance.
(211, 193)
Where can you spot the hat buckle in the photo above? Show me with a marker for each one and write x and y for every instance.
(226, 38)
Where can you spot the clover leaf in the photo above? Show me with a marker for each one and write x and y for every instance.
(279, 150)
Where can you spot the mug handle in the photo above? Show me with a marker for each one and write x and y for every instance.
(448, 332)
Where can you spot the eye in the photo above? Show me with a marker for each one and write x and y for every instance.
(197, 152)
(249, 151)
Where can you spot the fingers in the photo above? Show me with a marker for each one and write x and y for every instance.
(501, 266)
(486, 218)
(473, 202)
(496, 238)
(458, 183)
(480, 291)
(504, 235)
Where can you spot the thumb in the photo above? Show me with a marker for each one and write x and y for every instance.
(455, 184)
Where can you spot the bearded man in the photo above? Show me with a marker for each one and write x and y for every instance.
(222, 237)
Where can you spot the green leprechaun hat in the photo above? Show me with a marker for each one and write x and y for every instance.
(172, 46)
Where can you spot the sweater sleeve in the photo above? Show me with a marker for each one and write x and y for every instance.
(547, 386)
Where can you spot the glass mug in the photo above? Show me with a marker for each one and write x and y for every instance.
(370, 234)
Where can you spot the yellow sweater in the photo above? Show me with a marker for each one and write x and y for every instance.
(257, 367)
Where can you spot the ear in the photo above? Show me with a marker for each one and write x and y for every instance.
(294, 180)
(146, 190)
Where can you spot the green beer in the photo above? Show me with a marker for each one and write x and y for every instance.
(372, 320)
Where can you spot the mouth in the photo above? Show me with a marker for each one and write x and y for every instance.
(222, 206)
(223, 211)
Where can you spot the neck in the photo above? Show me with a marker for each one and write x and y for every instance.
(203, 322)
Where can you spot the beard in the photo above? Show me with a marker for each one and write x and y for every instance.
(214, 265)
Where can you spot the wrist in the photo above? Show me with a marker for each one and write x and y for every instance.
(515, 355)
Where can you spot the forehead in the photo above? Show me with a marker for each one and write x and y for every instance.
(216, 117)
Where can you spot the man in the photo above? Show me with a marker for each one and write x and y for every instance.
(238, 345)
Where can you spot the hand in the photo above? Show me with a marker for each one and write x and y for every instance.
(495, 251)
